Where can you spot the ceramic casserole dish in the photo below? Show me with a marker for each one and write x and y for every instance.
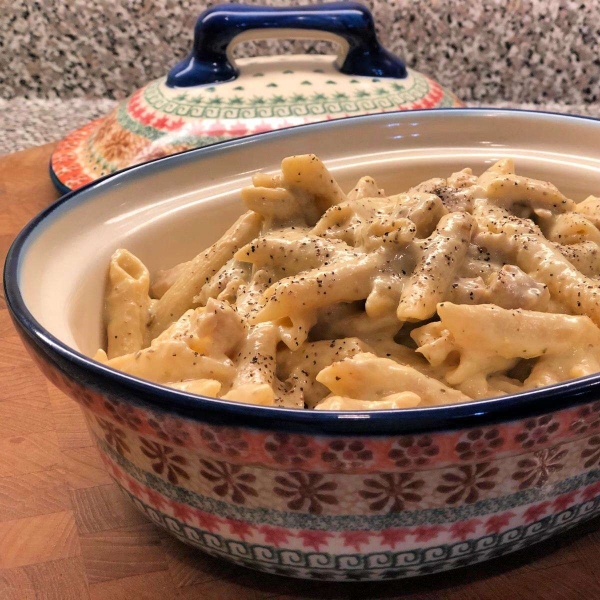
(329, 495)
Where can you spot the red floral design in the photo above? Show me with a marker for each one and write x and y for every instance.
(163, 459)
(288, 449)
(537, 431)
(591, 492)
(114, 436)
(592, 452)
(134, 487)
(224, 441)
(314, 539)
(535, 511)
(355, 539)
(413, 451)
(123, 413)
(66, 159)
(155, 499)
(479, 444)
(239, 528)
(461, 530)
(274, 535)
(467, 482)
(115, 143)
(116, 473)
(181, 511)
(393, 537)
(535, 470)
(392, 491)
(498, 522)
(310, 489)
(206, 520)
(426, 533)
(168, 428)
(230, 480)
(564, 501)
(345, 455)
(588, 419)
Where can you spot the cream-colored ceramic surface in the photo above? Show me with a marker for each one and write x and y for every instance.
(167, 211)
(307, 75)
(287, 34)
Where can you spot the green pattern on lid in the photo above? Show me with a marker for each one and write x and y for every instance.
(388, 97)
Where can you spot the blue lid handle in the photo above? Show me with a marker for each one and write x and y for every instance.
(218, 27)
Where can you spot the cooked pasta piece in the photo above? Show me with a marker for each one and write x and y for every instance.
(202, 387)
(553, 369)
(164, 279)
(441, 258)
(301, 367)
(370, 377)
(474, 342)
(585, 257)
(402, 400)
(255, 373)
(590, 208)
(505, 189)
(127, 303)
(180, 296)
(344, 279)
(311, 184)
(366, 187)
(570, 228)
(190, 348)
(276, 204)
(578, 293)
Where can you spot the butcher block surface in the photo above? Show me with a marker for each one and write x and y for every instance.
(67, 532)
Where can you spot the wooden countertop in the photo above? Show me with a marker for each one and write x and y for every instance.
(66, 532)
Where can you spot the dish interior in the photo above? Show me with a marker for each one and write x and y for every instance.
(167, 211)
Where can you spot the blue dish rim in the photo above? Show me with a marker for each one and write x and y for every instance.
(368, 423)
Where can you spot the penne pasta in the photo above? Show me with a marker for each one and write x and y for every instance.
(461, 288)
(180, 296)
(127, 304)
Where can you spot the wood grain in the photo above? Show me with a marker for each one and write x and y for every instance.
(67, 532)
(22, 545)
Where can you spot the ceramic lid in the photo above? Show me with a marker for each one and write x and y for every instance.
(208, 97)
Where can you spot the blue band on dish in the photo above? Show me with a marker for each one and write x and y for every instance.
(218, 26)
